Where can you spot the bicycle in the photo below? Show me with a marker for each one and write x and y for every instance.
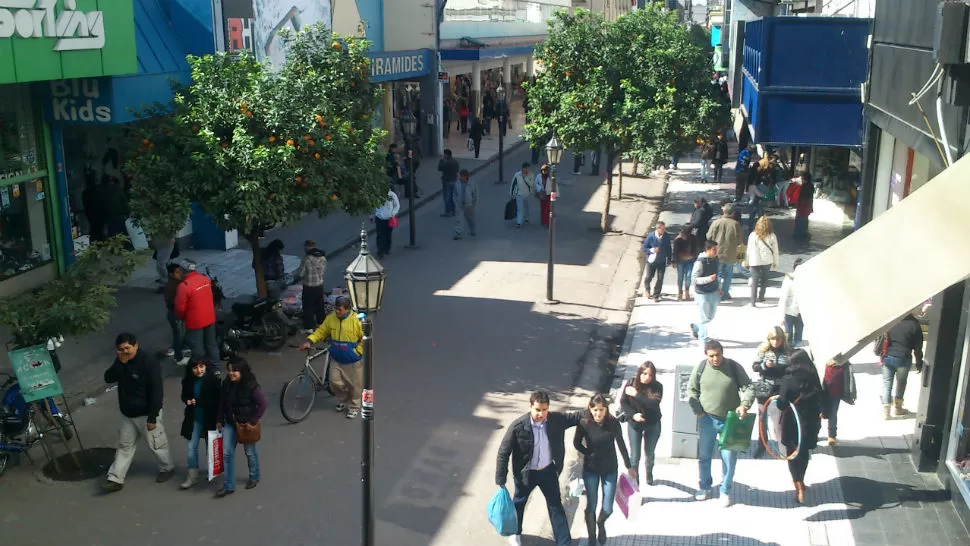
(304, 386)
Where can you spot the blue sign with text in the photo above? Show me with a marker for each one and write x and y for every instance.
(388, 66)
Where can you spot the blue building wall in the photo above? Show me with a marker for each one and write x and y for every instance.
(372, 14)
(192, 22)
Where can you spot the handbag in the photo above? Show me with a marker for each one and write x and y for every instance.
(763, 389)
(393, 222)
(248, 434)
(511, 209)
(849, 390)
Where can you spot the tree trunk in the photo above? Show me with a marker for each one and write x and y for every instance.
(253, 239)
(619, 180)
(605, 219)
(636, 166)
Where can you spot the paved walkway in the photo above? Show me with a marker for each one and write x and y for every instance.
(863, 492)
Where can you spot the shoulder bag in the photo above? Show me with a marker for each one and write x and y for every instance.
(247, 433)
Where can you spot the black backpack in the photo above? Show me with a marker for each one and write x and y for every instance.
(732, 371)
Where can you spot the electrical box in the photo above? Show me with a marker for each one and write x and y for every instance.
(950, 36)
(684, 421)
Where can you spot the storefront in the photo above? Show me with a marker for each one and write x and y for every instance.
(958, 450)
(409, 78)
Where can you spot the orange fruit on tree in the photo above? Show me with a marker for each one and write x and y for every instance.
(333, 197)
(319, 118)
(290, 142)
(312, 142)
(307, 137)
(328, 137)
(336, 45)
(316, 155)
(272, 139)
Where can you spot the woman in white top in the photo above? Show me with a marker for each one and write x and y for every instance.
(792, 319)
(383, 216)
(761, 256)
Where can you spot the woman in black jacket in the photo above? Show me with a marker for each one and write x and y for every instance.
(200, 394)
(640, 404)
(595, 436)
(241, 405)
(800, 390)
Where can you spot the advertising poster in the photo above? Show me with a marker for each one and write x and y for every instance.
(272, 16)
(35, 373)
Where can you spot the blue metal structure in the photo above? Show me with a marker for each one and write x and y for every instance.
(802, 80)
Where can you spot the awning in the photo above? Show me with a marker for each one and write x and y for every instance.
(859, 287)
(487, 53)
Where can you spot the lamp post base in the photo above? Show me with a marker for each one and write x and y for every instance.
(412, 247)
(551, 302)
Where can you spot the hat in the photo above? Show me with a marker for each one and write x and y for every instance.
(728, 209)
(188, 265)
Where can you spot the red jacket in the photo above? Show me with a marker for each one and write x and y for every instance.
(193, 301)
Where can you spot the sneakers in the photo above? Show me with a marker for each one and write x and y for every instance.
(351, 414)
(832, 441)
(183, 362)
(724, 500)
(515, 540)
(164, 475)
(340, 407)
(170, 353)
(111, 487)
(702, 494)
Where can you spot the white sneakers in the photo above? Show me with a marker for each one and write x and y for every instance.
(515, 540)
(724, 501)
(702, 494)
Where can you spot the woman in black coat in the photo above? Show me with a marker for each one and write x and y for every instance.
(200, 394)
(800, 390)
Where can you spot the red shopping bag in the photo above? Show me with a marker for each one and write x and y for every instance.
(793, 191)
(627, 496)
(214, 447)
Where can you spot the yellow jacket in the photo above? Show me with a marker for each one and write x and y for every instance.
(344, 335)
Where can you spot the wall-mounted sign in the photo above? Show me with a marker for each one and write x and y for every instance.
(85, 100)
(75, 30)
(399, 65)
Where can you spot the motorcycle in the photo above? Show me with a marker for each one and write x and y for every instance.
(18, 421)
(259, 321)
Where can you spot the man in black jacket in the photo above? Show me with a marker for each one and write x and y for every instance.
(905, 348)
(139, 380)
(536, 444)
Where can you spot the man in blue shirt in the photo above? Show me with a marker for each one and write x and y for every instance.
(657, 248)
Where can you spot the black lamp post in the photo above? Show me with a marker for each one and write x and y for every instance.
(554, 154)
(500, 106)
(365, 282)
(409, 127)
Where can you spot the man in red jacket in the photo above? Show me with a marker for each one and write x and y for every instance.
(194, 306)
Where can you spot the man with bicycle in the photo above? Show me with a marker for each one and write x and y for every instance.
(344, 333)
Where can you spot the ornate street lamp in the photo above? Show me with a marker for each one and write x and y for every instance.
(409, 126)
(500, 105)
(365, 282)
(554, 154)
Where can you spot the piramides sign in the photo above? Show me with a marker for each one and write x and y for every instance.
(75, 30)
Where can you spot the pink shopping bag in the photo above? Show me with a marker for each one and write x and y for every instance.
(627, 496)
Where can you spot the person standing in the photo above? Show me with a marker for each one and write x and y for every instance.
(466, 200)
(640, 405)
(834, 386)
(139, 379)
(274, 268)
(312, 271)
(726, 233)
(700, 218)
(706, 292)
(449, 168)
(342, 330)
(791, 316)
(178, 327)
(535, 443)
(717, 385)
(658, 250)
(200, 394)
(684, 252)
(761, 255)
(770, 363)
(488, 111)
(195, 307)
(720, 157)
(804, 208)
(905, 347)
(707, 155)
(475, 133)
(800, 391)
(241, 406)
(382, 223)
(521, 191)
(543, 190)
(463, 114)
(595, 437)
(742, 170)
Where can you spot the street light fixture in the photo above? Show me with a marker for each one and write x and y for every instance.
(409, 127)
(365, 283)
(501, 106)
(554, 154)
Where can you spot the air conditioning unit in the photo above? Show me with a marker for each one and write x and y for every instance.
(950, 40)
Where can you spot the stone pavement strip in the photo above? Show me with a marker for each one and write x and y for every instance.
(864, 491)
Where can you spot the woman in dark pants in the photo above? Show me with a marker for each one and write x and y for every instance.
(800, 390)
(640, 404)
(475, 133)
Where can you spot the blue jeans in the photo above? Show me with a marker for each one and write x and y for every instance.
(832, 414)
(684, 270)
(448, 196)
(203, 342)
(193, 455)
(707, 303)
(548, 482)
(893, 367)
(705, 168)
(801, 227)
(708, 428)
(521, 209)
(755, 210)
(229, 458)
(793, 328)
(646, 437)
(177, 335)
(592, 482)
(725, 272)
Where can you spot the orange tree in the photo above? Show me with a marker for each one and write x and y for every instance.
(255, 146)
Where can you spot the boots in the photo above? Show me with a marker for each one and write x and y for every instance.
(800, 492)
(680, 296)
(885, 412)
(191, 479)
(898, 409)
(601, 527)
(591, 528)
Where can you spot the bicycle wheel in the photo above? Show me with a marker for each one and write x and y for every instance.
(297, 398)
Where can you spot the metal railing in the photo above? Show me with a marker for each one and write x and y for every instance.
(503, 11)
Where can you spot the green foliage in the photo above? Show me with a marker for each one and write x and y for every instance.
(76, 303)
(256, 146)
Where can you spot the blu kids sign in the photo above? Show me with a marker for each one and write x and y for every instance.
(81, 101)
(399, 65)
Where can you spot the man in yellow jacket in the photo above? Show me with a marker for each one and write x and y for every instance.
(343, 332)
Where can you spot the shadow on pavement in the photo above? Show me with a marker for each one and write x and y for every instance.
(863, 495)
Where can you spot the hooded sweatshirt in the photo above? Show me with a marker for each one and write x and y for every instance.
(313, 268)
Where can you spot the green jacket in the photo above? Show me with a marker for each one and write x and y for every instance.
(717, 391)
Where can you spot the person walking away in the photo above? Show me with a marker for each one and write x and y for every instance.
(742, 170)
(392, 165)
(717, 385)
(700, 219)
(770, 363)
(466, 200)
(382, 223)
(726, 232)
(707, 155)
(342, 330)
(200, 394)
(114, 206)
(761, 256)
(535, 444)
(195, 307)
(139, 379)
(755, 202)
(449, 168)
(791, 316)
(93, 211)
(800, 391)
(659, 252)
(684, 254)
(640, 407)
(804, 208)
(502, 113)
(475, 133)
(177, 326)
(543, 190)
(488, 112)
(312, 271)
(834, 385)
(241, 406)
(905, 347)
(720, 157)
(706, 291)
(274, 268)
(521, 190)
(595, 437)
(463, 114)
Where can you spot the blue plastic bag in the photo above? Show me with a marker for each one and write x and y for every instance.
(501, 513)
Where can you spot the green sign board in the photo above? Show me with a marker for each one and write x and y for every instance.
(35, 371)
(63, 39)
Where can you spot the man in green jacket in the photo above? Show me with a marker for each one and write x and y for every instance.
(717, 386)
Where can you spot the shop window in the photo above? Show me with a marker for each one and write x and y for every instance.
(958, 459)
(23, 228)
(19, 152)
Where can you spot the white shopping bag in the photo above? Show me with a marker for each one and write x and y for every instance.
(214, 447)
(576, 488)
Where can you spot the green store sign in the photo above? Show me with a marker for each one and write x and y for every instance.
(63, 39)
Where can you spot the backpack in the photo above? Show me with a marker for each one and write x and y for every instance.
(881, 346)
(849, 390)
(732, 372)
